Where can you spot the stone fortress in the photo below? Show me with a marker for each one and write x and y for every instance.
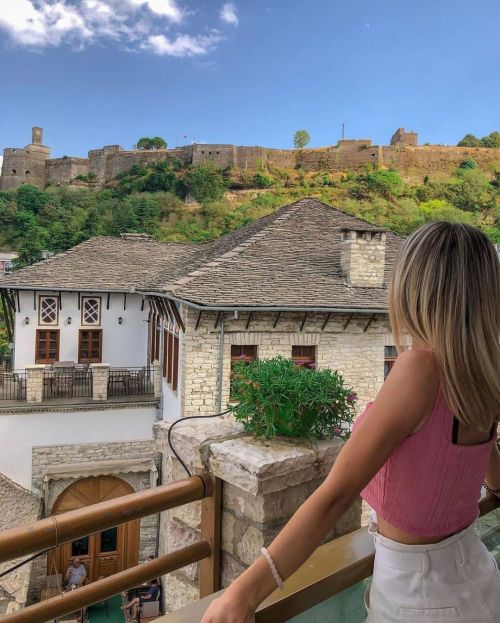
(33, 165)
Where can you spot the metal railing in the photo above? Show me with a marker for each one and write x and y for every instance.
(66, 527)
(332, 568)
(131, 381)
(67, 383)
(13, 385)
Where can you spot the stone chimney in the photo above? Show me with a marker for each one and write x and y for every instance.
(362, 256)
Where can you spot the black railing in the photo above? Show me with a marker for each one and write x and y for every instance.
(13, 385)
(130, 381)
(67, 383)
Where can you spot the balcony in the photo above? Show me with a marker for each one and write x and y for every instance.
(67, 383)
(328, 587)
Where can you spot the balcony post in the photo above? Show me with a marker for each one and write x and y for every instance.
(157, 380)
(100, 379)
(34, 383)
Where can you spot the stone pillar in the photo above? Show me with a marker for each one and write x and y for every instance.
(34, 383)
(100, 378)
(157, 378)
(264, 483)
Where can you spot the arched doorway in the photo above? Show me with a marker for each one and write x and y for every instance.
(103, 553)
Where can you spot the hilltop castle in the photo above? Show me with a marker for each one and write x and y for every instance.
(33, 165)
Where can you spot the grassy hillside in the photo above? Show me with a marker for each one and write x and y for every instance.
(201, 203)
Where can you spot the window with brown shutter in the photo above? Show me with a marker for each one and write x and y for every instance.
(47, 346)
(175, 363)
(246, 354)
(171, 358)
(90, 346)
(390, 355)
(304, 356)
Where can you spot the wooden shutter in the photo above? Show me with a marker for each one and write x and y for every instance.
(90, 346)
(47, 346)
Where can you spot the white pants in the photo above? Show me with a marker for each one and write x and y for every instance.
(454, 580)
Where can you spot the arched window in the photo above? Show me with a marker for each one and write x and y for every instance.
(28, 172)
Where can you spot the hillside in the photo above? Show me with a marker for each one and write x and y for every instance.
(198, 203)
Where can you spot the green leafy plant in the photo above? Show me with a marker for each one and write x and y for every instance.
(151, 142)
(278, 397)
(301, 138)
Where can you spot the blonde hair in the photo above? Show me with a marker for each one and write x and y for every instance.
(445, 291)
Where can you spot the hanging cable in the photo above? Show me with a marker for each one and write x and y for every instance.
(183, 419)
(24, 562)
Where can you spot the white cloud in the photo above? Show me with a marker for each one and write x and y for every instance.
(183, 45)
(228, 14)
(133, 24)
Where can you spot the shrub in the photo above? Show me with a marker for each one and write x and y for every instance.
(261, 180)
(469, 163)
(205, 182)
(278, 397)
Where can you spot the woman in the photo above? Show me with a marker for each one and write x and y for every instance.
(418, 454)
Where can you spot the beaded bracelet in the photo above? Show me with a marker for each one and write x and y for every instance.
(272, 566)
(492, 491)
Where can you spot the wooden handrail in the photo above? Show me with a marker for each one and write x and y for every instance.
(108, 587)
(332, 568)
(66, 527)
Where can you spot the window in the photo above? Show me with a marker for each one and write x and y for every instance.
(47, 346)
(90, 346)
(48, 309)
(91, 310)
(28, 172)
(304, 356)
(109, 540)
(390, 354)
(80, 547)
(14, 172)
(171, 357)
(246, 354)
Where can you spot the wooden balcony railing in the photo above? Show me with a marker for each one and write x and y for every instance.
(332, 568)
(66, 527)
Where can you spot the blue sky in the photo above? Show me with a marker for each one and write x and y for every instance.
(96, 72)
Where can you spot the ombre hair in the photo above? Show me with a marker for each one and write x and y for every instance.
(445, 291)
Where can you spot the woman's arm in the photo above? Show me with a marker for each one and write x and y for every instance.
(404, 401)
(493, 473)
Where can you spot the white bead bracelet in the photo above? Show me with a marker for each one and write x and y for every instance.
(272, 566)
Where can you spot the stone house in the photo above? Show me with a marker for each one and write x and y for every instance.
(150, 331)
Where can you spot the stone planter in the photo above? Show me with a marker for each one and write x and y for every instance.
(263, 484)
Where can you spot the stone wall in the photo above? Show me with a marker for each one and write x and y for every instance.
(426, 160)
(63, 170)
(354, 346)
(24, 166)
(263, 484)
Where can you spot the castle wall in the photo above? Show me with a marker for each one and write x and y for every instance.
(24, 166)
(62, 170)
(427, 160)
(347, 156)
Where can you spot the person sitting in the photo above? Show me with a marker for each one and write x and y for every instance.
(152, 595)
(75, 574)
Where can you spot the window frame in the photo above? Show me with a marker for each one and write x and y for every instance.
(170, 363)
(389, 359)
(41, 298)
(89, 359)
(234, 359)
(46, 360)
(302, 360)
(82, 305)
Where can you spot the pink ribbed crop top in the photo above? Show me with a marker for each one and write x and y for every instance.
(430, 486)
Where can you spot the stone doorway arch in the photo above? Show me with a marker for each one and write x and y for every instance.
(104, 553)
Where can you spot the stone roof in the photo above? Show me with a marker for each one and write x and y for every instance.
(290, 258)
(19, 507)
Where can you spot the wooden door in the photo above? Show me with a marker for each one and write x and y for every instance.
(104, 553)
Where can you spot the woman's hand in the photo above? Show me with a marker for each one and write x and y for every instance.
(229, 609)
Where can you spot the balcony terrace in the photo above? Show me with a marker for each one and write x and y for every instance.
(67, 383)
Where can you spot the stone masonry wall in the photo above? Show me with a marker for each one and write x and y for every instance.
(263, 484)
(62, 171)
(343, 345)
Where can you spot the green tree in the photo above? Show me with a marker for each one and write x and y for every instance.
(301, 139)
(492, 140)
(205, 182)
(151, 142)
(469, 140)
(469, 163)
